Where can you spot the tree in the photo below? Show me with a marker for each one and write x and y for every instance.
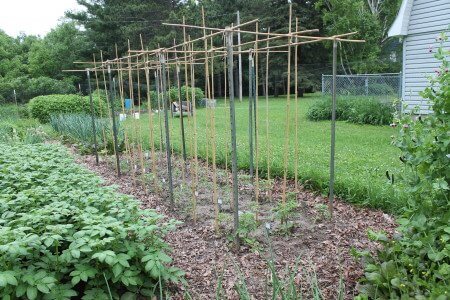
(110, 22)
(371, 19)
(58, 50)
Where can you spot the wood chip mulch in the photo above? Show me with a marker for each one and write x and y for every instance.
(321, 247)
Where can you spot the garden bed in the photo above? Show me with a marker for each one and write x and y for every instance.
(322, 247)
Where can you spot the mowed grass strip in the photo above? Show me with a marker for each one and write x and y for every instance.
(363, 152)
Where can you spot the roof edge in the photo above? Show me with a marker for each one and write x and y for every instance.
(400, 25)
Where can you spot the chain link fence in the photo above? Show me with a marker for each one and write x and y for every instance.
(385, 87)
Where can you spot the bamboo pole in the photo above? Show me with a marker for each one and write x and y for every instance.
(114, 125)
(255, 104)
(139, 127)
(109, 103)
(122, 102)
(194, 120)
(286, 132)
(133, 123)
(296, 151)
(151, 127)
(213, 142)
(91, 102)
(267, 120)
(207, 91)
(250, 113)
(101, 109)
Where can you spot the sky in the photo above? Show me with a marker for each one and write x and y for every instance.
(33, 17)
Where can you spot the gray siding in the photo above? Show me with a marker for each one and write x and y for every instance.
(428, 18)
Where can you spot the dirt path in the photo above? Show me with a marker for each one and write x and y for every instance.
(319, 244)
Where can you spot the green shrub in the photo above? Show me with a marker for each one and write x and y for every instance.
(417, 263)
(63, 234)
(357, 110)
(198, 92)
(78, 128)
(43, 107)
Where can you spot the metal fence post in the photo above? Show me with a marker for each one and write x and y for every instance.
(333, 129)
(229, 46)
(94, 131)
(323, 84)
(366, 84)
(162, 60)
(114, 125)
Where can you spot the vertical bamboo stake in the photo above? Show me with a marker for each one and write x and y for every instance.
(169, 102)
(250, 111)
(158, 96)
(207, 91)
(183, 139)
(162, 60)
(333, 129)
(267, 117)
(113, 114)
(213, 146)
(225, 105)
(91, 102)
(100, 107)
(140, 137)
(134, 134)
(108, 98)
(238, 23)
(296, 108)
(150, 123)
(255, 103)
(122, 102)
(186, 86)
(229, 43)
(286, 133)
(191, 112)
(194, 120)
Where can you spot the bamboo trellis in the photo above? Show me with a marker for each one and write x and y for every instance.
(180, 60)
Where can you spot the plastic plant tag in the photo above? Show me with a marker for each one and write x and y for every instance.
(268, 226)
(219, 201)
(122, 117)
(196, 194)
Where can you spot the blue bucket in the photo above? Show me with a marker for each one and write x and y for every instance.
(128, 103)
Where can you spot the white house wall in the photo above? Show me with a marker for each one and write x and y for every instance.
(427, 20)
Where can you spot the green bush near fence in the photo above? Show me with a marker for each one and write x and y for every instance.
(358, 110)
(43, 107)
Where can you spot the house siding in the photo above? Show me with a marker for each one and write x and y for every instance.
(427, 20)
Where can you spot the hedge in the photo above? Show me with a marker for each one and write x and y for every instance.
(359, 110)
(43, 107)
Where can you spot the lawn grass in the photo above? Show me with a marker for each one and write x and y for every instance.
(363, 152)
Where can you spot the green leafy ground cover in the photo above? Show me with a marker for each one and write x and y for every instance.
(363, 152)
(63, 234)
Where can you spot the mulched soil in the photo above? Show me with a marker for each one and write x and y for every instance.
(319, 245)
